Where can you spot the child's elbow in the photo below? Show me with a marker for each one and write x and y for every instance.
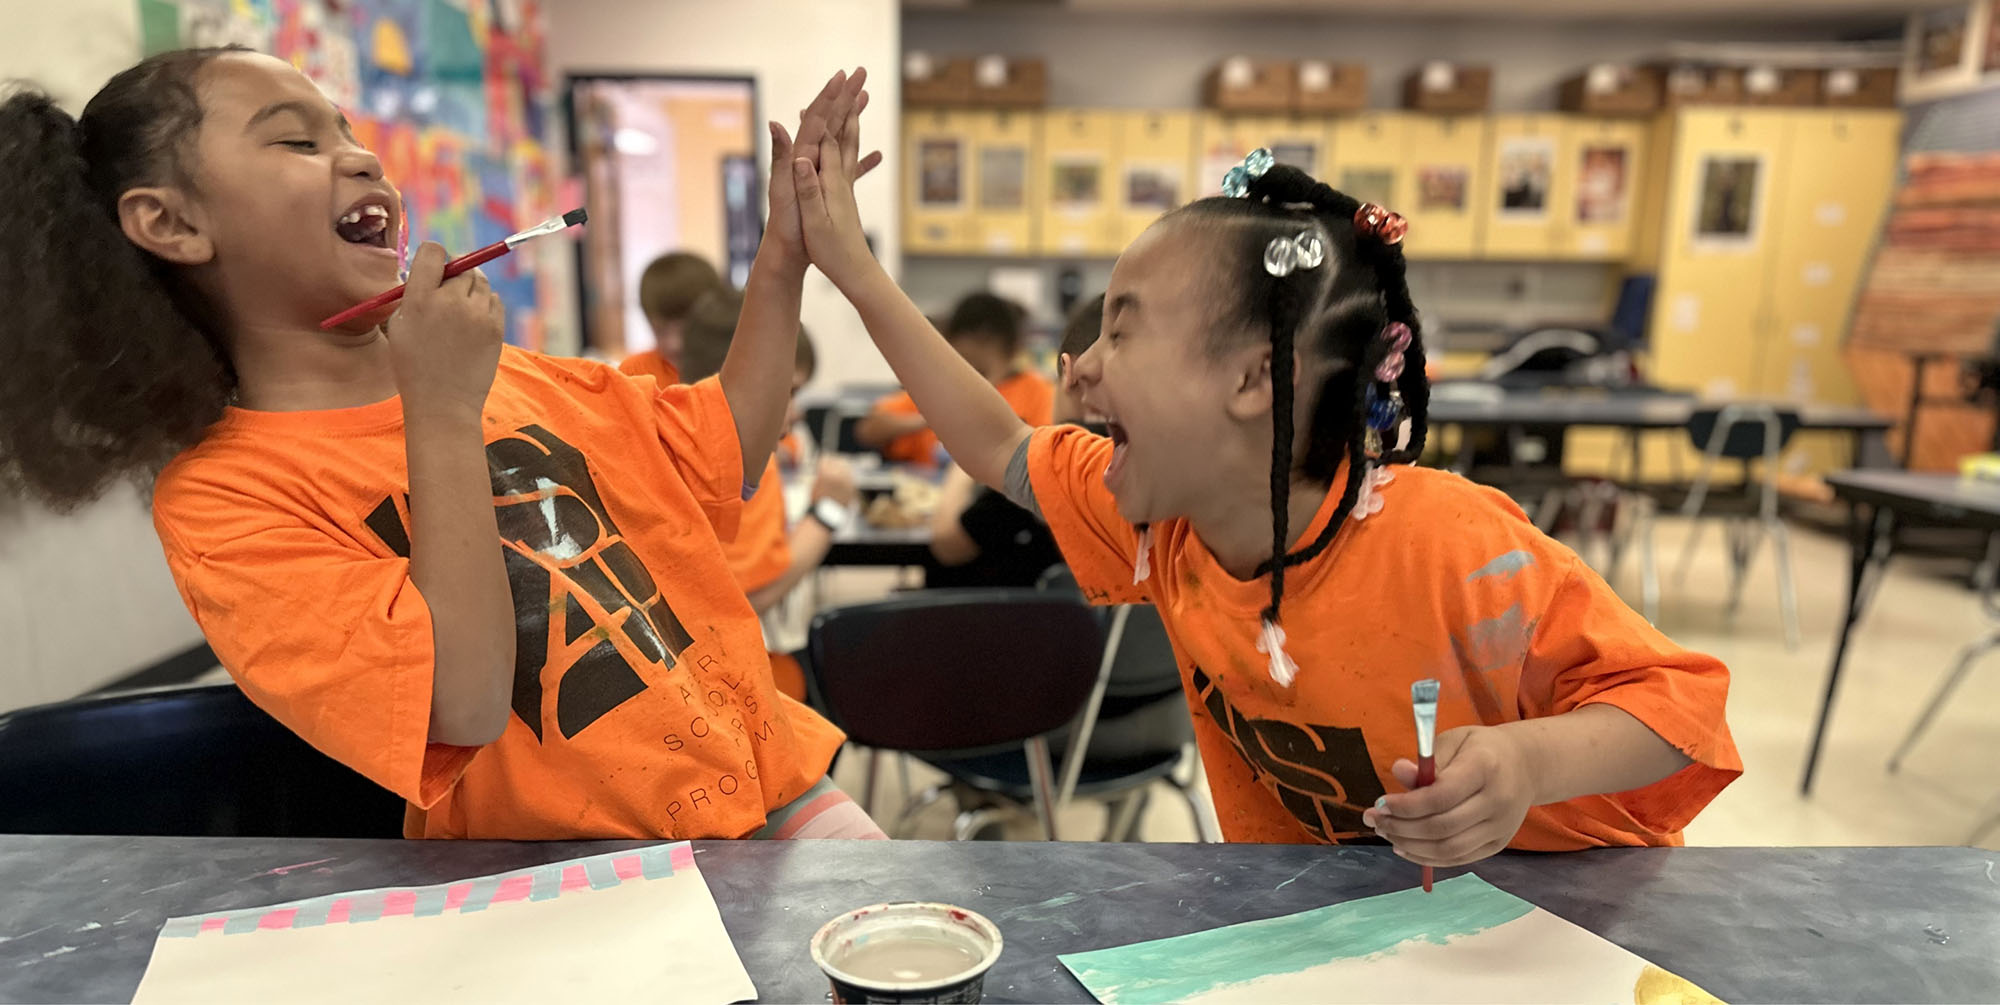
(469, 727)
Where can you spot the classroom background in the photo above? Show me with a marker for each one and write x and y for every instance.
(1712, 289)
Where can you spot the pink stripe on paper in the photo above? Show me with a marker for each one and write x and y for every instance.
(454, 898)
(627, 867)
(281, 918)
(212, 924)
(683, 856)
(574, 879)
(337, 914)
(514, 888)
(399, 902)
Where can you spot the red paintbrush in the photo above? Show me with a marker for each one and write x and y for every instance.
(1424, 703)
(457, 265)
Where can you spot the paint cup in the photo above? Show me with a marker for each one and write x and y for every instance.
(907, 952)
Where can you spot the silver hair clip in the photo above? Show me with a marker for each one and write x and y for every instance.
(1285, 255)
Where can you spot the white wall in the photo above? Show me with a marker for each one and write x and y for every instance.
(790, 47)
(84, 598)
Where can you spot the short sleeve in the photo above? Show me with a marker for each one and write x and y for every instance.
(332, 641)
(699, 433)
(1066, 467)
(1590, 647)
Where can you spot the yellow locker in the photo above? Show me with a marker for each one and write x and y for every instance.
(1710, 310)
(1444, 175)
(1596, 187)
(1079, 215)
(1518, 206)
(1157, 150)
(1005, 215)
(1366, 159)
(937, 179)
(1836, 185)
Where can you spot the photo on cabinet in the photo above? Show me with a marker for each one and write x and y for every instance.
(1003, 178)
(1726, 209)
(1301, 154)
(1602, 184)
(1442, 187)
(1152, 187)
(942, 171)
(1075, 184)
(1526, 166)
(1941, 43)
(1370, 184)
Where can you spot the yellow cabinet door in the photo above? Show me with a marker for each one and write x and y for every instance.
(1836, 185)
(1596, 188)
(1157, 172)
(1710, 309)
(1080, 161)
(937, 182)
(1366, 155)
(1444, 176)
(1518, 206)
(1006, 208)
(1225, 139)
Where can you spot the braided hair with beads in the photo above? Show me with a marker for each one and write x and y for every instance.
(1342, 315)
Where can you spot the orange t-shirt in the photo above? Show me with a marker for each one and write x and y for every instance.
(643, 705)
(1447, 580)
(760, 552)
(1032, 396)
(650, 364)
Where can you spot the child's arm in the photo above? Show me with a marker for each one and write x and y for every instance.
(810, 540)
(756, 376)
(878, 429)
(976, 424)
(445, 344)
(1489, 776)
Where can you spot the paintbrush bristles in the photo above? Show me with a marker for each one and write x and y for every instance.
(575, 217)
(1425, 690)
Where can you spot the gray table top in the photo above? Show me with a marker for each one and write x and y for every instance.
(80, 914)
(1639, 411)
(1940, 497)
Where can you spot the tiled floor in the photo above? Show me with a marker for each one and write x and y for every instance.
(1950, 784)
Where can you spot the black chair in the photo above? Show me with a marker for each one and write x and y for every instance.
(1746, 433)
(952, 676)
(181, 761)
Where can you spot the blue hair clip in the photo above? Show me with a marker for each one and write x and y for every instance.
(1236, 184)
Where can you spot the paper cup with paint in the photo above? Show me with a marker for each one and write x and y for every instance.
(907, 952)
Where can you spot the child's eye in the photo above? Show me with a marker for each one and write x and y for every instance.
(299, 144)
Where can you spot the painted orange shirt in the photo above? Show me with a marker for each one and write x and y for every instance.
(760, 552)
(650, 364)
(1447, 580)
(1032, 396)
(643, 705)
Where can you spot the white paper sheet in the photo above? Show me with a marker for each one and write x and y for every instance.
(624, 927)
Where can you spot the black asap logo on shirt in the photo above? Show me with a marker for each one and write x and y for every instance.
(1322, 774)
(566, 564)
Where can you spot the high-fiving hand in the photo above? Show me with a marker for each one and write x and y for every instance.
(839, 104)
(824, 186)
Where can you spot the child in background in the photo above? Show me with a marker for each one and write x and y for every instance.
(978, 536)
(767, 559)
(987, 331)
(668, 290)
(488, 580)
(1261, 371)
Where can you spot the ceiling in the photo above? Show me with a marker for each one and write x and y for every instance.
(1620, 10)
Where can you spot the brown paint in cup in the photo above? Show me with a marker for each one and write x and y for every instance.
(907, 952)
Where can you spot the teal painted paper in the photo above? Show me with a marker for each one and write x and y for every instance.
(1169, 970)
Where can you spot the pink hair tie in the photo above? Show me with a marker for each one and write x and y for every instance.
(1397, 334)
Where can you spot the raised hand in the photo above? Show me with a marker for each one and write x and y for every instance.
(445, 337)
(824, 188)
(843, 98)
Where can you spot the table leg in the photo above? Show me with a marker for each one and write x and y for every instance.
(1862, 532)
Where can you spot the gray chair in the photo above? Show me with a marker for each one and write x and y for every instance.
(1952, 679)
(1747, 433)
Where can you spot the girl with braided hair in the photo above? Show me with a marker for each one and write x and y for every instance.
(1262, 368)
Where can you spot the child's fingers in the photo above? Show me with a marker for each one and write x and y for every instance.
(1450, 789)
(426, 269)
(850, 135)
(868, 163)
(1464, 849)
(1455, 820)
(810, 195)
(813, 117)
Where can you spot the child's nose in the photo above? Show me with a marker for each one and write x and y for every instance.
(360, 162)
(1089, 366)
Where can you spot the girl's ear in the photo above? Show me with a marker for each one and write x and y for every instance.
(1250, 372)
(161, 221)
